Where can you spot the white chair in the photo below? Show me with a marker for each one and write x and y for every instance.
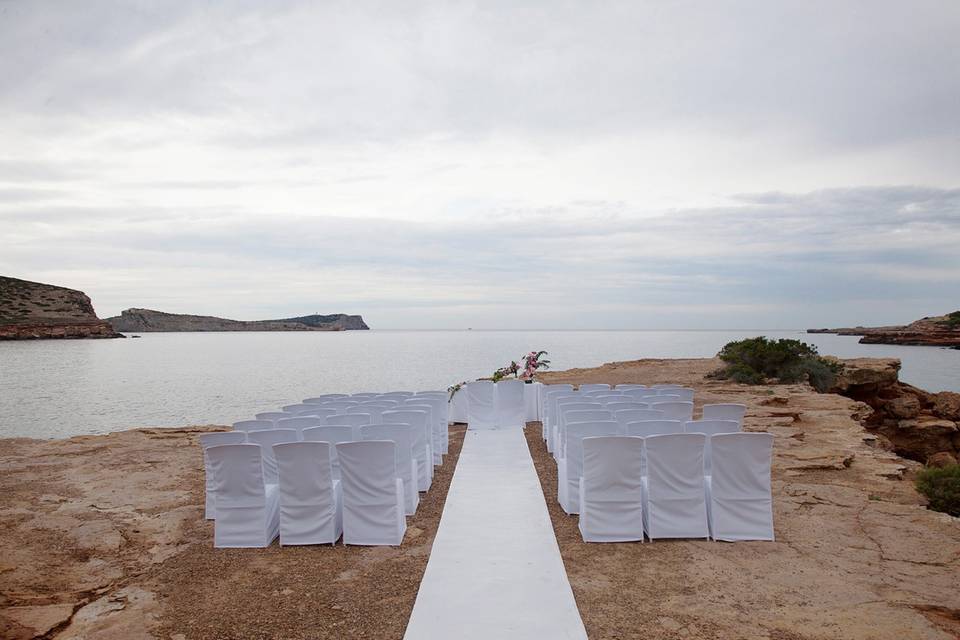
(310, 499)
(658, 427)
(402, 436)
(272, 416)
(340, 405)
(438, 421)
(458, 408)
(625, 387)
(355, 420)
(319, 411)
(625, 417)
(208, 440)
(565, 405)
(570, 466)
(741, 503)
(422, 450)
(253, 425)
(481, 405)
(364, 395)
(300, 423)
(247, 509)
(327, 397)
(295, 408)
(639, 393)
(334, 435)
(593, 387)
(710, 428)
(611, 489)
(684, 394)
(546, 400)
(414, 403)
(725, 411)
(375, 408)
(594, 393)
(674, 410)
(611, 398)
(511, 410)
(373, 503)
(675, 504)
(662, 397)
(266, 439)
(614, 407)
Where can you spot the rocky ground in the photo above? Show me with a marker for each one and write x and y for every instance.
(857, 555)
(103, 537)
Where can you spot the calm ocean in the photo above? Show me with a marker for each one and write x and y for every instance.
(63, 388)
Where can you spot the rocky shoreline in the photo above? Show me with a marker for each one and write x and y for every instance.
(102, 536)
(148, 320)
(939, 331)
(36, 311)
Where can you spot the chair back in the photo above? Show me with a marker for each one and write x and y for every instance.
(305, 472)
(334, 435)
(724, 411)
(481, 405)
(266, 439)
(711, 427)
(368, 472)
(252, 425)
(354, 420)
(511, 410)
(222, 437)
(676, 492)
(341, 405)
(611, 468)
(237, 475)
(674, 410)
(294, 408)
(272, 416)
(626, 416)
(659, 427)
(629, 386)
(319, 411)
(593, 387)
(300, 423)
(741, 500)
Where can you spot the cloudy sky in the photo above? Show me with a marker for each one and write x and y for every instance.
(496, 165)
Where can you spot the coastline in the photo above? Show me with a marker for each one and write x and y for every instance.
(102, 535)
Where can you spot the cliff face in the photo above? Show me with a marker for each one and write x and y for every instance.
(146, 320)
(938, 331)
(30, 310)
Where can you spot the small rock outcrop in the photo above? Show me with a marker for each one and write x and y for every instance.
(914, 423)
(147, 320)
(937, 331)
(34, 310)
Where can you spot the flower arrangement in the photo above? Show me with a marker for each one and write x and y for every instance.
(503, 372)
(452, 389)
(532, 362)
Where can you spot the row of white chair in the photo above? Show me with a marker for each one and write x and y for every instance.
(492, 405)
(308, 505)
(618, 502)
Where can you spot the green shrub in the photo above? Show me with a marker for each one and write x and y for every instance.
(953, 320)
(941, 486)
(753, 360)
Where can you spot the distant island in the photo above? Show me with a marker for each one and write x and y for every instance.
(34, 310)
(148, 320)
(934, 331)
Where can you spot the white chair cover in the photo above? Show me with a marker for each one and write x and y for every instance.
(272, 416)
(662, 397)
(300, 423)
(481, 405)
(371, 409)
(422, 450)
(659, 427)
(422, 404)
(725, 411)
(611, 398)
(741, 503)
(686, 395)
(458, 408)
(611, 489)
(310, 500)
(295, 408)
(327, 397)
(208, 440)
(402, 436)
(640, 395)
(355, 420)
(319, 411)
(253, 425)
(545, 395)
(580, 403)
(674, 410)
(340, 405)
(247, 509)
(627, 416)
(594, 387)
(373, 503)
(334, 435)
(438, 419)
(569, 467)
(266, 439)
(710, 428)
(625, 387)
(675, 505)
(614, 407)
(364, 395)
(511, 410)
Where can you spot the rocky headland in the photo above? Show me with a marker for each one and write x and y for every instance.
(34, 310)
(147, 320)
(934, 331)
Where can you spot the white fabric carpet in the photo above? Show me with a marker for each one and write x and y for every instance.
(495, 569)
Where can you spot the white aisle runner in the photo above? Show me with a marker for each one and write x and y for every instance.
(495, 571)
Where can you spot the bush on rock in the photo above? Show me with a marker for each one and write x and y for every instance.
(754, 360)
(941, 486)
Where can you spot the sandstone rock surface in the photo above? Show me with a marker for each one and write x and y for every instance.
(34, 310)
(938, 331)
